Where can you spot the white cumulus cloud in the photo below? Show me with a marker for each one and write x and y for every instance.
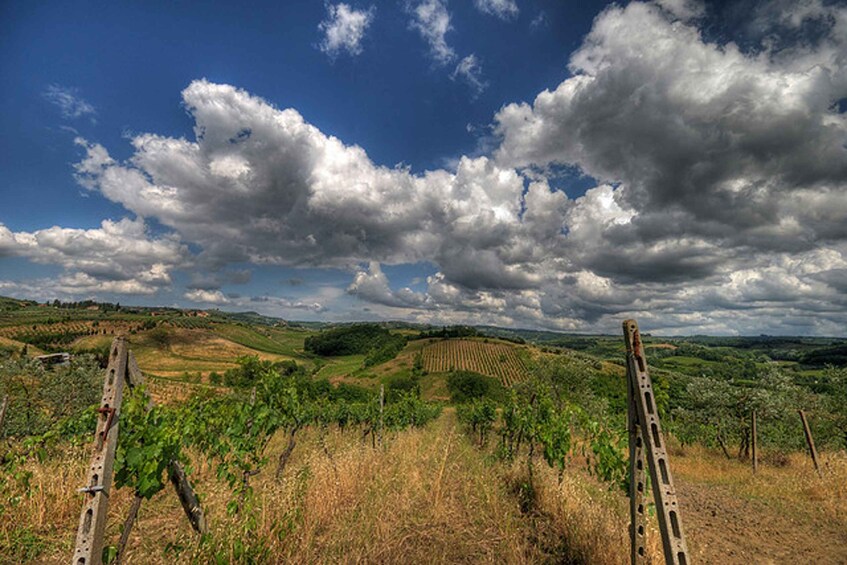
(470, 71)
(720, 203)
(206, 296)
(344, 28)
(503, 9)
(431, 20)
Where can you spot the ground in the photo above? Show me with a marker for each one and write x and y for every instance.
(780, 515)
(431, 496)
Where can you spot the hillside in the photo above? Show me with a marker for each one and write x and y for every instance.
(528, 471)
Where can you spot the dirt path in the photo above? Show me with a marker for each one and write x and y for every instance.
(724, 527)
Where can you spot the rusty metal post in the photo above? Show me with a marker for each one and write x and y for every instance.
(92, 521)
(754, 441)
(667, 506)
(810, 441)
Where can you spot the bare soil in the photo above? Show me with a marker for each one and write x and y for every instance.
(724, 526)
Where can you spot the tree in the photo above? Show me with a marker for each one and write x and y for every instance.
(837, 400)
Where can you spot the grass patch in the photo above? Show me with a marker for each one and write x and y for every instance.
(269, 340)
(345, 365)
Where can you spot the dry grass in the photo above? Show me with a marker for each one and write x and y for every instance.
(428, 496)
(41, 522)
(19, 345)
(587, 520)
(193, 350)
(792, 486)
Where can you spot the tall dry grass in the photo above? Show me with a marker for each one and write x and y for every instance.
(586, 522)
(428, 496)
(788, 482)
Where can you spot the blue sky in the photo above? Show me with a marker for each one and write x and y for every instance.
(130, 62)
(539, 164)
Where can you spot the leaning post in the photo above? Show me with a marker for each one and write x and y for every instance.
(754, 441)
(810, 441)
(3, 409)
(667, 506)
(92, 520)
(637, 482)
(381, 411)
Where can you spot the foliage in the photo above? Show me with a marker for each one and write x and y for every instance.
(410, 411)
(385, 349)
(147, 443)
(398, 385)
(450, 332)
(347, 340)
(833, 355)
(466, 386)
(555, 413)
(234, 430)
(160, 336)
(838, 400)
(480, 415)
(372, 340)
(249, 370)
(41, 397)
(716, 411)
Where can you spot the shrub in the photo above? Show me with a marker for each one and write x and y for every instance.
(401, 385)
(465, 386)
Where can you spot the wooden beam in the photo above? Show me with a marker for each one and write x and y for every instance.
(810, 441)
(754, 441)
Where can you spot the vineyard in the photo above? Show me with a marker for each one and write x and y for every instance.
(291, 464)
(494, 359)
(164, 391)
(58, 335)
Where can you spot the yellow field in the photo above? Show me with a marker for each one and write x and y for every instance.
(11, 343)
(190, 350)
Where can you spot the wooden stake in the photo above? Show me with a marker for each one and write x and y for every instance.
(381, 411)
(810, 441)
(184, 491)
(754, 441)
(3, 413)
(92, 521)
(122, 369)
(187, 497)
(667, 507)
(128, 524)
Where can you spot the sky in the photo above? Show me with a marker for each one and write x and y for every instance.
(554, 165)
